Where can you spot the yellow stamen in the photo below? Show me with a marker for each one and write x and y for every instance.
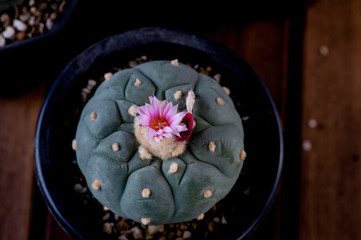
(158, 124)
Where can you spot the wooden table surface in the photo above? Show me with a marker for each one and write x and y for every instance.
(310, 62)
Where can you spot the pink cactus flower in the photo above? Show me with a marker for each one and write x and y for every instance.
(161, 119)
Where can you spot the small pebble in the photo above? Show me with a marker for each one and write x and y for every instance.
(217, 77)
(43, 6)
(211, 226)
(9, 33)
(20, 35)
(183, 226)
(5, 19)
(137, 233)
(41, 27)
(84, 96)
(153, 229)
(132, 64)
(54, 6)
(108, 227)
(324, 50)
(187, 234)
(78, 188)
(53, 16)
(223, 220)
(61, 6)
(245, 118)
(86, 90)
(312, 123)
(216, 220)
(24, 9)
(25, 17)
(35, 11)
(49, 24)
(306, 145)
(2, 41)
(122, 225)
(32, 21)
(123, 237)
(247, 191)
(106, 217)
(227, 90)
(91, 84)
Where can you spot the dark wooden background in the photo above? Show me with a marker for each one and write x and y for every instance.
(309, 57)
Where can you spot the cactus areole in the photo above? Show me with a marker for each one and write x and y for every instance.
(160, 143)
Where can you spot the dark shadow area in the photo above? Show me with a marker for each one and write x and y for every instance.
(39, 60)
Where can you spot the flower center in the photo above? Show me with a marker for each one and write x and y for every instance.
(158, 124)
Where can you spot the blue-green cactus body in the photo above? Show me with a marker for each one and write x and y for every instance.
(156, 191)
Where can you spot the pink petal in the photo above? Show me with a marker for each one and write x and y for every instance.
(171, 112)
(142, 110)
(158, 139)
(176, 119)
(154, 110)
(163, 108)
(151, 133)
(144, 122)
(167, 135)
(182, 127)
(166, 110)
(167, 130)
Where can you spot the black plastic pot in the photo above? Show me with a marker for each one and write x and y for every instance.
(32, 61)
(255, 190)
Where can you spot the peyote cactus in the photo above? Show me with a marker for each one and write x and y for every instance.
(160, 161)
